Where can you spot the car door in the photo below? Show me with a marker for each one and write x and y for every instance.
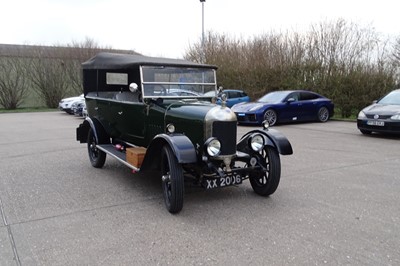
(308, 105)
(129, 116)
(291, 109)
(233, 98)
(132, 122)
(104, 111)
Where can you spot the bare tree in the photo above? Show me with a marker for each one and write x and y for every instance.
(341, 60)
(77, 53)
(56, 70)
(49, 75)
(396, 50)
(13, 83)
(353, 64)
(396, 60)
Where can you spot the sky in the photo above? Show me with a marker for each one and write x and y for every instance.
(167, 28)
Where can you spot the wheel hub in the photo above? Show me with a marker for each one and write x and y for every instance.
(166, 178)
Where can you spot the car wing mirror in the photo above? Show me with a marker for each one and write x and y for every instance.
(133, 87)
(290, 100)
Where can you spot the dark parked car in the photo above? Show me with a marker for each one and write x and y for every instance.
(285, 106)
(136, 116)
(382, 116)
(232, 97)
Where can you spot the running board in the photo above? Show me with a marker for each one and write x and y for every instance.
(120, 156)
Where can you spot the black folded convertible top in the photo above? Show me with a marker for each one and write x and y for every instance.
(118, 61)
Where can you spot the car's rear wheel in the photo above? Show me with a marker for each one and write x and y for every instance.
(323, 114)
(271, 117)
(96, 156)
(266, 182)
(172, 180)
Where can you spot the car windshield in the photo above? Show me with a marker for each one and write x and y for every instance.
(392, 98)
(177, 82)
(273, 97)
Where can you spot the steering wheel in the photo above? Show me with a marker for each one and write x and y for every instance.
(163, 90)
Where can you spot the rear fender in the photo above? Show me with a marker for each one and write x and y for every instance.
(98, 130)
(180, 144)
(272, 138)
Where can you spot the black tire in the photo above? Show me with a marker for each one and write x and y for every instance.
(365, 132)
(172, 180)
(323, 114)
(265, 183)
(97, 157)
(271, 117)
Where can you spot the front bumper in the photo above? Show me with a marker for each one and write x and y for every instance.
(389, 126)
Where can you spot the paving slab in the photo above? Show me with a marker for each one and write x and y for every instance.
(6, 251)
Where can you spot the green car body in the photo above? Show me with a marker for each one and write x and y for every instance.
(164, 106)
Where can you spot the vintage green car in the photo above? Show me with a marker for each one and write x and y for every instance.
(156, 107)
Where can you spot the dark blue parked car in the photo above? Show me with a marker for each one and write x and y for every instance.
(285, 106)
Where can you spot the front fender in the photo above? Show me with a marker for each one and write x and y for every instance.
(272, 137)
(180, 144)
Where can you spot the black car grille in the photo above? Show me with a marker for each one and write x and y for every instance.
(225, 132)
(380, 116)
(247, 117)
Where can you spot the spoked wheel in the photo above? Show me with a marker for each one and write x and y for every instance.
(97, 157)
(266, 182)
(271, 117)
(323, 114)
(172, 180)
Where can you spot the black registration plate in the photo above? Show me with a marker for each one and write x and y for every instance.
(375, 123)
(225, 181)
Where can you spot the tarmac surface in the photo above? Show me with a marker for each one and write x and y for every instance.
(338, 203)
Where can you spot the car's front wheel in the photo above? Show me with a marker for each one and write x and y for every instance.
(172, 180)
(96, 156)
(271, 117)
(323, 114)
(266, 182)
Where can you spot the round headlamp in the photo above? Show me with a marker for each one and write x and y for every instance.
(213, 147)
(265, 124)
(257, 143)
(170, 128)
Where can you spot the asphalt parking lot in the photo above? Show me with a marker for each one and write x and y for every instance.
(338, 203)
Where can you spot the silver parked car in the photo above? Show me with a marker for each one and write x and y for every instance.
(66, 103)
(382, 116)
